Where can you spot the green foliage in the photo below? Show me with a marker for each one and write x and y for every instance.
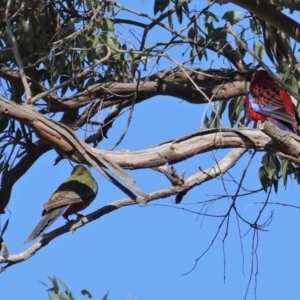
(235, 107)
(240, 49)
(269, 172)
(60, 291)
(293, 83)
(259, 49)
(209, 16)
(54, 51)
(54, 292)
(214, 120)
(232, 16)
(108, 28)
(286, 170)
(160, 5)
(273, 169)
(255, 28)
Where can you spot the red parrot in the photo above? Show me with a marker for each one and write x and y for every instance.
(72, 196)
(267, 101)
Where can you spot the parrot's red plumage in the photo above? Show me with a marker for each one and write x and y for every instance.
(267, 101)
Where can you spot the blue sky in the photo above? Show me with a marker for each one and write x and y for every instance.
(142, 252)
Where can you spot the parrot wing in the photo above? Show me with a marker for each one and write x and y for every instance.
(68, 193)
(62, 200)
(46, 222)
(269, 99)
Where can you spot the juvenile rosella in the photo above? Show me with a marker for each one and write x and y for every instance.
(72, 196)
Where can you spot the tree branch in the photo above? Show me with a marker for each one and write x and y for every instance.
(266, 11)
(64, 140)
(295, 5)
(200, 177)
(148, 90)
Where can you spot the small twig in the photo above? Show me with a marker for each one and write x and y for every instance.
(26, 137)
(4, 249)
(137, 83)
(171, 174)
(17, 54)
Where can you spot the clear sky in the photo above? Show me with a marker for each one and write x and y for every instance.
(142, 252)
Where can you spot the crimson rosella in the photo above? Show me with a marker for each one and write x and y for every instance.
(267, 101)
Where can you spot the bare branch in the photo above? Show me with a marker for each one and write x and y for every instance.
(15, 78)
(200, 177)
(284, 141)
(148, 90)
(64, 140)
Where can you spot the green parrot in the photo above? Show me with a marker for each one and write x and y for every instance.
(72, 196)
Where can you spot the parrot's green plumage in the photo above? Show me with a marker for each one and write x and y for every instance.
(72, 196)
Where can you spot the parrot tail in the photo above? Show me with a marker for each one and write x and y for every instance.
(49, 218)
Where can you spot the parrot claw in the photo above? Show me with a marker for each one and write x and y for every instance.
(79, 216)
(67, 219)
